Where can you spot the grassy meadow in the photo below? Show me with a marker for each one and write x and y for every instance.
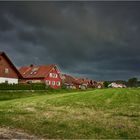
(98, 113)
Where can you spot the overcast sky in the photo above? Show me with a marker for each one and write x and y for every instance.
(99, 40)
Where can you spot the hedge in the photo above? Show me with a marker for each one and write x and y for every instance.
(38, 86)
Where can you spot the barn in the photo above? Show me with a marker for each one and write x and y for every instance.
(8, 72)
(48, 74)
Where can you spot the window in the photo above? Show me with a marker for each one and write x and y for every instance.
(6, 70)
(58, 83)
(34, 70)
(53, 83)
(47, 82)
(53, 75)
(31, 73)
(6, 81)
(29, 82)
(50, 74)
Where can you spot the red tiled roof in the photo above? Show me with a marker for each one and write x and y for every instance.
(82, 81)
(36, 71)
(68, 79)
(73, 80)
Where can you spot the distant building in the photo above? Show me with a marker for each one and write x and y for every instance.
(99, 85)
(85, 82)
(8, 72)
(48, 74)
(115, 85)
(77, 83)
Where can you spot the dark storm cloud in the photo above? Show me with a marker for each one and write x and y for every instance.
(92, 39)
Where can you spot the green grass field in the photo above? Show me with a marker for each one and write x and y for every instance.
(100, 113)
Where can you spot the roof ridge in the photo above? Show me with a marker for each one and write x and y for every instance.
(37, 65)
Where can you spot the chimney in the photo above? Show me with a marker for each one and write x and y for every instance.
(31, 65)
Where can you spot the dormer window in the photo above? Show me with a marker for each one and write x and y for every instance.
(6, 70)
(34, 71)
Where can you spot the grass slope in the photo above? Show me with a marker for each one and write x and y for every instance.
(101, 113)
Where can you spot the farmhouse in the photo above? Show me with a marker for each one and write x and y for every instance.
(115, 85)
(88, 83)
(68, 81)
(79, 83)
(48, 74)
(99, 85)
(8, 72)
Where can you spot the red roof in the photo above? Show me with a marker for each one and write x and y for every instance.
(73, 80)
(82, 81)
(36, 71)
(68, 79)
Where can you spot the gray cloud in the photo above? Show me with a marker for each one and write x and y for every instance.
(93, 39)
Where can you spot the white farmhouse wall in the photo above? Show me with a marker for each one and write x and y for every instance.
(9, 80)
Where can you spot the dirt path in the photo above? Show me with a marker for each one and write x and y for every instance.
(6, 133)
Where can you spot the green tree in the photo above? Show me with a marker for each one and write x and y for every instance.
(106, 84)
(133, 82)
